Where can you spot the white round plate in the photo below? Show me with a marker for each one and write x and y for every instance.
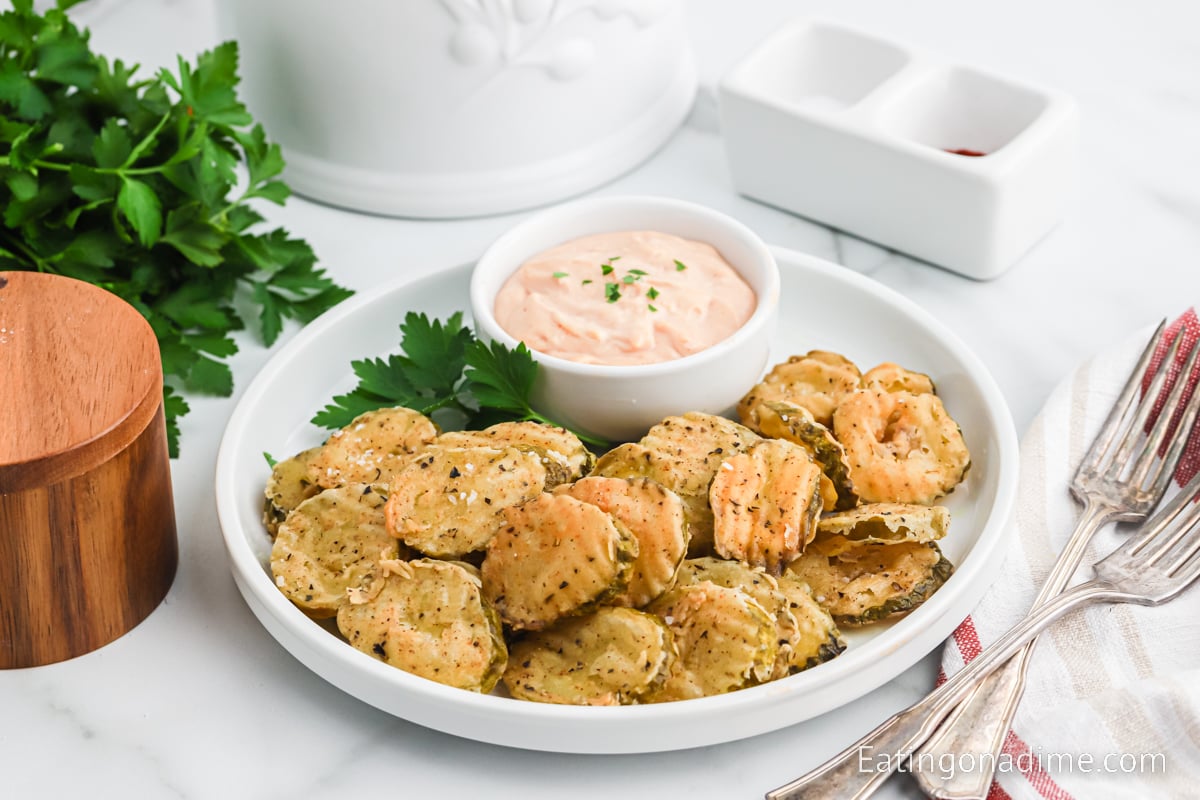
(824, 307)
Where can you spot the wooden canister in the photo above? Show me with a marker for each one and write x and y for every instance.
(87, 520)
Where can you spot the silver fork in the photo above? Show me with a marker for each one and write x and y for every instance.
(1120, 478)
(1150, 568)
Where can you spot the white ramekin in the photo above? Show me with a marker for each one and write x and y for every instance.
(621, 402)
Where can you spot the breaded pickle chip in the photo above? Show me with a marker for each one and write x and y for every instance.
(555, 557)
(817, 380)
(684, 453)
(429, 618)
(610, 657)
(872, 581)
(765, 504)
(778, 420)
(331, 544)
(901, 447)
(817, 636)
(563, 455)
(446, 502)
(889, 377)
(372, 448)
(701, 440)
(724, 640)
(654, 515)
(634, 461)
(763, 588)
(288, 487)
(880, 523)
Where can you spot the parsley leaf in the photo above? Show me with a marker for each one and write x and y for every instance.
(443, 367)
(436, 351)
(128, 182)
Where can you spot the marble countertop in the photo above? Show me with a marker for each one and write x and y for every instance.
(199, 701)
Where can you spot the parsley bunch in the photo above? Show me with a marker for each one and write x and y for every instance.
(132, 184)
(444, 370)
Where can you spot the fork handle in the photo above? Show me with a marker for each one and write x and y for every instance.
(980, 724)
(861, 768)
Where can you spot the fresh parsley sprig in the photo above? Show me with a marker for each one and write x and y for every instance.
(129, 183)
(443, 369)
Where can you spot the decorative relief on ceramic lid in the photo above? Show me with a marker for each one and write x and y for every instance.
(504, 34)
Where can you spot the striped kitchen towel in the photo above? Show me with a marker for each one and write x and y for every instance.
(1112, 706)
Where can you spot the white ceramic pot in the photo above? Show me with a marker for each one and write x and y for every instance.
(446, 108)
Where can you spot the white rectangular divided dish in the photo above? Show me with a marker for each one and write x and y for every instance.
(858, 133)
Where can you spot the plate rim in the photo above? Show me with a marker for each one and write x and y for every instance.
(926, 627)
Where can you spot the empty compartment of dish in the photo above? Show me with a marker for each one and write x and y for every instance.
(820, 68)
(956, 109)
(877, 170)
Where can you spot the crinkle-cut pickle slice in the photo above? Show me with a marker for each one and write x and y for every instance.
(889, 377)
(372, 448)
(817, 636)
(779, 420)
(724, 640)
(563, 455)
(765, 504)
(429, 618)
(763, 588)
(901, 447)
(683, 453)
(873, 581)
(880, 523)
(554, 557)
(654, 515)
(446, 502)
(634, 460)
(610, 657)
(331, 544)
(698, 438)
(817, 380)
(288, 487)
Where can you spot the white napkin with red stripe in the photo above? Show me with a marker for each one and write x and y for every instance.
(1112, 706)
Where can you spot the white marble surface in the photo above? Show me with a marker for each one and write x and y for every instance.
(199, 702)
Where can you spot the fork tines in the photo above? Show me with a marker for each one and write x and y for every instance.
(1173, 522)
(1132, 422)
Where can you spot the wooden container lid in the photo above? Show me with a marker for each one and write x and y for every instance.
(82, 378)
(87, 517)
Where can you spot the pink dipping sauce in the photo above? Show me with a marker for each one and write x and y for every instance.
(633, 297)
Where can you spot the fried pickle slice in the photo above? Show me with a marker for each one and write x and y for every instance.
(683, 453)
(763, 588)
(372, 448)
(901, 447)
(555, 557)
(889, 377)
(872, 582)
(817, 637)
(446, 502)
(654, 515)
(817, 380)
(880, 523)
(777, 420)
(613, 656)
(725, 641)
(429, 618)
(331, 544)
(766, 503)
(563, 455)
(289, 486)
